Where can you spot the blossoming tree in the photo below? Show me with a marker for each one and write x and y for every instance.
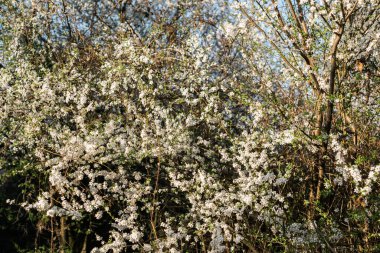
(182, 126)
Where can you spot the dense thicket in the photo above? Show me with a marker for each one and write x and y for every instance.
(190, 126)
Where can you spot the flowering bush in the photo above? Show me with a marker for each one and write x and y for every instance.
(175, 126)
